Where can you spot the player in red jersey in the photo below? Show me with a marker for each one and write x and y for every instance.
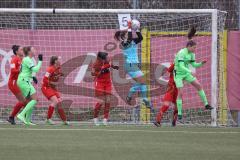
(103, 85)
(49, 90)
(170, 97)
(12, 82)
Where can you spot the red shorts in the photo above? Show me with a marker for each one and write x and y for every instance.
(171, 96)
(103, 88)
(49, 92)
(12, 85)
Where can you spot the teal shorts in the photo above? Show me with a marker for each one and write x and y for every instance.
(179, 78)
(133, 70)
(26, 87)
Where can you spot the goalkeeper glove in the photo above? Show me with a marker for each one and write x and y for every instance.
(115, 67)
(35, 80)
(40, 57)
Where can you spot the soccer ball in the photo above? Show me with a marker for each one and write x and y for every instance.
(135, 24)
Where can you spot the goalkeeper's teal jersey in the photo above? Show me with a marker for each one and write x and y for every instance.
(183, 56)
(26, 68)
(130, 53)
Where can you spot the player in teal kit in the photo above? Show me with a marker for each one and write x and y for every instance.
(25, 83)
(183, 59)
(129, 46)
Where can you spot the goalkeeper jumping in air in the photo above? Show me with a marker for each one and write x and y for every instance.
(24, 82)
(183, 59)
(129, 46)
(103, 85)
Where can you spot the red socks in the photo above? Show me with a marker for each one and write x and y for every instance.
(96, 110)
(50, 112)
(62, 114)
(17, 108)
(175, 115)
(106, 110)
(163, 109)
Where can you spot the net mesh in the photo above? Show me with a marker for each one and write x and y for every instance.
(76, 38)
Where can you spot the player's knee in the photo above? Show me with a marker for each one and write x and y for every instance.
(107, 99)
(59, 100)
(197, 85)
(166, 103)
(200, 87)
(164, 109)
(36, 99)
(175, 111)
(179, 95)
(54, 103)
(101, 101)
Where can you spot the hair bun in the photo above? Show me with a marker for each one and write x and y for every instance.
(14, 47)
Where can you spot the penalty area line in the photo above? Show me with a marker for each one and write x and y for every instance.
(122, 130)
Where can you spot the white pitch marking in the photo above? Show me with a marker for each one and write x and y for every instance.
(120, 130)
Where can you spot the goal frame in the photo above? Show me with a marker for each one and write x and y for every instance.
(214, 35)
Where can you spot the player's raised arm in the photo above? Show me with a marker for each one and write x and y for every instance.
(38, 66)
(139, 38)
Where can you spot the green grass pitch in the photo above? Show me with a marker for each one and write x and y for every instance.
(86, 142)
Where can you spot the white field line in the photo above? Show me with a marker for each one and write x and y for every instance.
(122, 130)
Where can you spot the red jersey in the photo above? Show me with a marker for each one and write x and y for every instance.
(171, 82)
(52, 74)
(15, 68)
(98, 67)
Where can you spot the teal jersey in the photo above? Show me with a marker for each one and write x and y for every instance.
(186, 57)
(130, 53)
(28, 68)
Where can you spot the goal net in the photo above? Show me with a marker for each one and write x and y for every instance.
(76, 35)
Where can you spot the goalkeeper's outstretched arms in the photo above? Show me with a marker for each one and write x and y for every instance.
(139, 35)
(126, 38)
